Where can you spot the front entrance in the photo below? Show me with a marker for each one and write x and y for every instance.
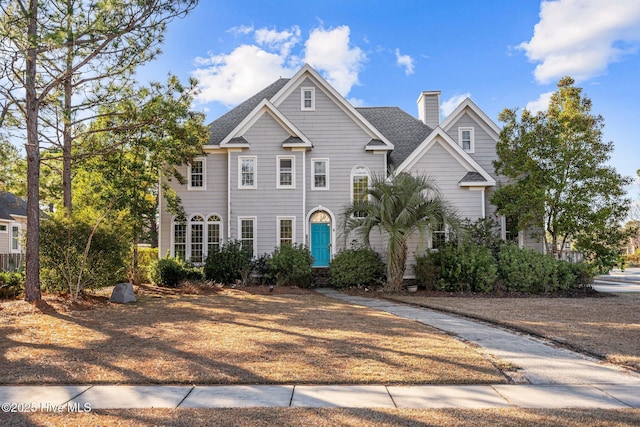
(321, 239)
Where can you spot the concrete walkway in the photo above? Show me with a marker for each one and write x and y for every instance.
(556, 378)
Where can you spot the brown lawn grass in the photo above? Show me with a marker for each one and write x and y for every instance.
(607, 326)
(333, 417)
(228, 337)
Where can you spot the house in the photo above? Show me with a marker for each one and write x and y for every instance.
(13, 220)
(280, 168)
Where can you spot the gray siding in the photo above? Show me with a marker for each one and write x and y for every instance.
(335, 136)
(266, 202)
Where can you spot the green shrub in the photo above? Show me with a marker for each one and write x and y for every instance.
(525, 270)
(11, 284)
(291, 265)
(145, 257)
(63, 243)
(453, 267)
(167, 272)
(356, 267)
(227, 263)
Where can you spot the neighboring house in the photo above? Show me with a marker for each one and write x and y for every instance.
(13, 221)
(280, 168)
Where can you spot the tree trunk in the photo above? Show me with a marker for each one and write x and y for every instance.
(66, 147)
(32, 279)
(395, 268)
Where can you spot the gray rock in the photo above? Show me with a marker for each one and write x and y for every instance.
(123, 293)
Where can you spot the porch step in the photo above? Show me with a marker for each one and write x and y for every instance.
(321, 277)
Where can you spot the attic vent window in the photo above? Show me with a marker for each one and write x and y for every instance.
(308, 99)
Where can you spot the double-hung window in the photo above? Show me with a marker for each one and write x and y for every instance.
(180, 238)
(320, 170)
(247, 166)
(15, 239)
(197, 239)
(247, 226)
(359, 187)
(308, 99)
(214, 237)
(286, 172)
(285, 231)
(465, 136)
(196, 174)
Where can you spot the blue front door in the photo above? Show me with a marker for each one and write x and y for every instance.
(321, 244)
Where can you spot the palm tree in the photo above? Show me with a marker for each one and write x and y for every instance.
(399, 206)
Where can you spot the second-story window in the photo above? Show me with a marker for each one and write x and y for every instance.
(320, 170)
(247, 172)
(359, 187)
(197, 174)
(286, 172)
(308, 99)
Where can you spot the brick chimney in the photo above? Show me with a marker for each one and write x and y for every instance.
(429, 108)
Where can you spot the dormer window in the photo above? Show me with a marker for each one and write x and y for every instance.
(466, 139)
(308, 99)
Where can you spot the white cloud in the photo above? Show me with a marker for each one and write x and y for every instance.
(404, 61)
(241, 30)
(540, 104)
(581, 38)
(330, 52)
(450, 104)
(283, 41)
(230, 78)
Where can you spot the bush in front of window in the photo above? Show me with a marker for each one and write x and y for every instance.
(457, 268)
(356, 267)
(290, 265)
(227, 263)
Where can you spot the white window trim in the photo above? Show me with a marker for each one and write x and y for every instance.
(203, 243)
(255, 231)
(313, 98)
(206, 231)
(353, 174)
(472, 143)
(255, 173)
(19, 248)
(172, 248)
(293, 172)
(293, 229)
(313, 174)
(204, 175)
(6, 228)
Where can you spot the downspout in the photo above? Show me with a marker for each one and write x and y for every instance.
(482, 202)
(228, 196)
(304, 196)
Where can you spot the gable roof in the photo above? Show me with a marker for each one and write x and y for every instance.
(403, 130)
(11, 206)
(468, 106)
(476, 175)
(308, 72)
(220, 128)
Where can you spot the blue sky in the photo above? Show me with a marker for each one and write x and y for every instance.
(501, 53)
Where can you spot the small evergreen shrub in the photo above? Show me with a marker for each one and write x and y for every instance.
(227, 263)
(466, 267)
(167, 272)
(356, 267)
(11, 284)
(290, 265)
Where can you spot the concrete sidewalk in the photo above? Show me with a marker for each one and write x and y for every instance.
(87, 398)
(556, 378)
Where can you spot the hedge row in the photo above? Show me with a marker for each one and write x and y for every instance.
(474, 268)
